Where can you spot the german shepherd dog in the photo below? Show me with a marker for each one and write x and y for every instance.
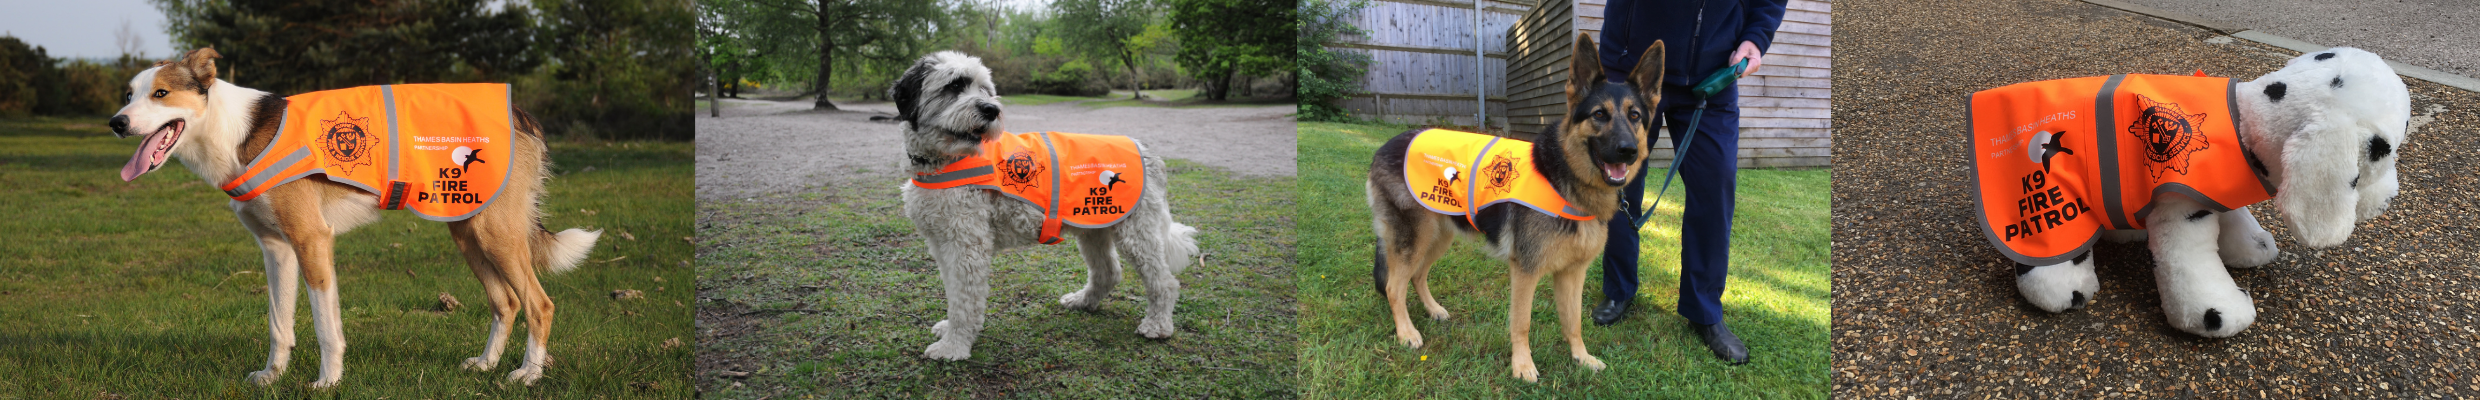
(217, 127)
(1588, 156)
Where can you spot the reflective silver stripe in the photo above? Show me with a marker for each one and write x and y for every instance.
(388, 92)
(944, 177)
(1053, 148)
(2105, 111)
(1472, 185)
(270, 173)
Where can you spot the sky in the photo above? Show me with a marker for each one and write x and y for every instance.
(83, 28)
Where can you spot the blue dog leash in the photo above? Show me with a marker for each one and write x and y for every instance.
(1704, 90)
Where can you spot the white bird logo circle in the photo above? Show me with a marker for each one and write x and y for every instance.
(465, 156)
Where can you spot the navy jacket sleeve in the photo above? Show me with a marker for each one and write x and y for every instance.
(1764, 17)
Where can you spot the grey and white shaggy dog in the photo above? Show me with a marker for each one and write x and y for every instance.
(948, 109)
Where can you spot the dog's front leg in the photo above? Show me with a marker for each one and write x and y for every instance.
(2061, 287)
(1568, 285)
(1101, 270)
(297, 212)
(2244, 243)
(1520, 286)
(283, 289)
(2197, 294)
(958, 234)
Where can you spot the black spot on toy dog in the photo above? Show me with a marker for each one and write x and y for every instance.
(2275, 90)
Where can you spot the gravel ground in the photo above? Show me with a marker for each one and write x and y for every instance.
(2427, 33)
(769, 146)
(1924, 307)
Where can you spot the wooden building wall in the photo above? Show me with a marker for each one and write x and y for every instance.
(1785, 120)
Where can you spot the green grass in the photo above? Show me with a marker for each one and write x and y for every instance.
(1776, 301)
(829, 294)
(152, 289)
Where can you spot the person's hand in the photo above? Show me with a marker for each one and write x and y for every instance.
(1747, 51)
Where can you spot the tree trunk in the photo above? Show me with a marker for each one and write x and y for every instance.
(714, 95)
(1219, 88)
(826, 58)
(1134, 85)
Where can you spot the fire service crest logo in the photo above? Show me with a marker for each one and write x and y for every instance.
(1500, 174)
(1019, 170)
(2169, 135)
(345, 143)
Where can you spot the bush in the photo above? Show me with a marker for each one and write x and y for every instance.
(1073, 78)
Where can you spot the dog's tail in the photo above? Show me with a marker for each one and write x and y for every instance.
(561, 252)
(1183, 246)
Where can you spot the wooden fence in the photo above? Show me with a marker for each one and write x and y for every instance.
(1785, 120)
(1423, 69)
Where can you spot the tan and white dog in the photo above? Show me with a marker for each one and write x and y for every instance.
(217, 127)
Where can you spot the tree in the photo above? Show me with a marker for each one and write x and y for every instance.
(1223, 38)
(1104, 27)
(873, 31)
(1326, 74)
(292, 47)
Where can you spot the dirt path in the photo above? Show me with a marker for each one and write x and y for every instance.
(1924, 307)
(769, 146)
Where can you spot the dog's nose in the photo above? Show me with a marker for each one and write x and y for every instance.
(120, 125)
(1627, 147)
(988, 111)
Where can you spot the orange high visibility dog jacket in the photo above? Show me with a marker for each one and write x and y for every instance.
(1090, 181)
(2058, 161)
(1456, 173)
(439, 150)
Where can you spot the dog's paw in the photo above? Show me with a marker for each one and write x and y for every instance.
(1437, 312)
(265, 377)
(1409, 337)
(948, 351)
(2059, 288)
(1081, 301)
(1590, 362)
(480, 364)
(1156, 328)
(329, 383)
(2211, 314)
(2248, 249)
(1524, 370)
(526, 376)
(939, 329)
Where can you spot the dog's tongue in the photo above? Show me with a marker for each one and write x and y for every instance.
(149, 153)
(1615, 171)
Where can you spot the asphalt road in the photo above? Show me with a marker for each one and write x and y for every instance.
(2437, 34)
(1924, 307)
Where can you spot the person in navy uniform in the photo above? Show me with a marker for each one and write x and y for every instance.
(1703, 36)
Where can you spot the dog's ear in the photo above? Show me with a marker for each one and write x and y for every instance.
(1585, 68)
(1648, 74)
(907, 90)
(2319, 174)
(201, 65)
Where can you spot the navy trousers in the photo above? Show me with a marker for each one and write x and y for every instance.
(1710, 172)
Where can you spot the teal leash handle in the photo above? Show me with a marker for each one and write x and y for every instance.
(1704, 90)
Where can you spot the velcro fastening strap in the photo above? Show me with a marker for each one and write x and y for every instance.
(395, 199)
(1050, 231)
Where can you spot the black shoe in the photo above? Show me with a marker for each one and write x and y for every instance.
(1610, 312)
(1724, 344)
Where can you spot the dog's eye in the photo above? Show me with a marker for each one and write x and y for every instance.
(129, 95)
(1636, 115)
(159, 93)
(1601, 115)
(957, 86)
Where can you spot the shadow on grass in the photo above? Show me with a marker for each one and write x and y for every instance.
(1777, 301)
(829, 292)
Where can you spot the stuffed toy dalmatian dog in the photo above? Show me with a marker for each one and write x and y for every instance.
(2178, 161)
